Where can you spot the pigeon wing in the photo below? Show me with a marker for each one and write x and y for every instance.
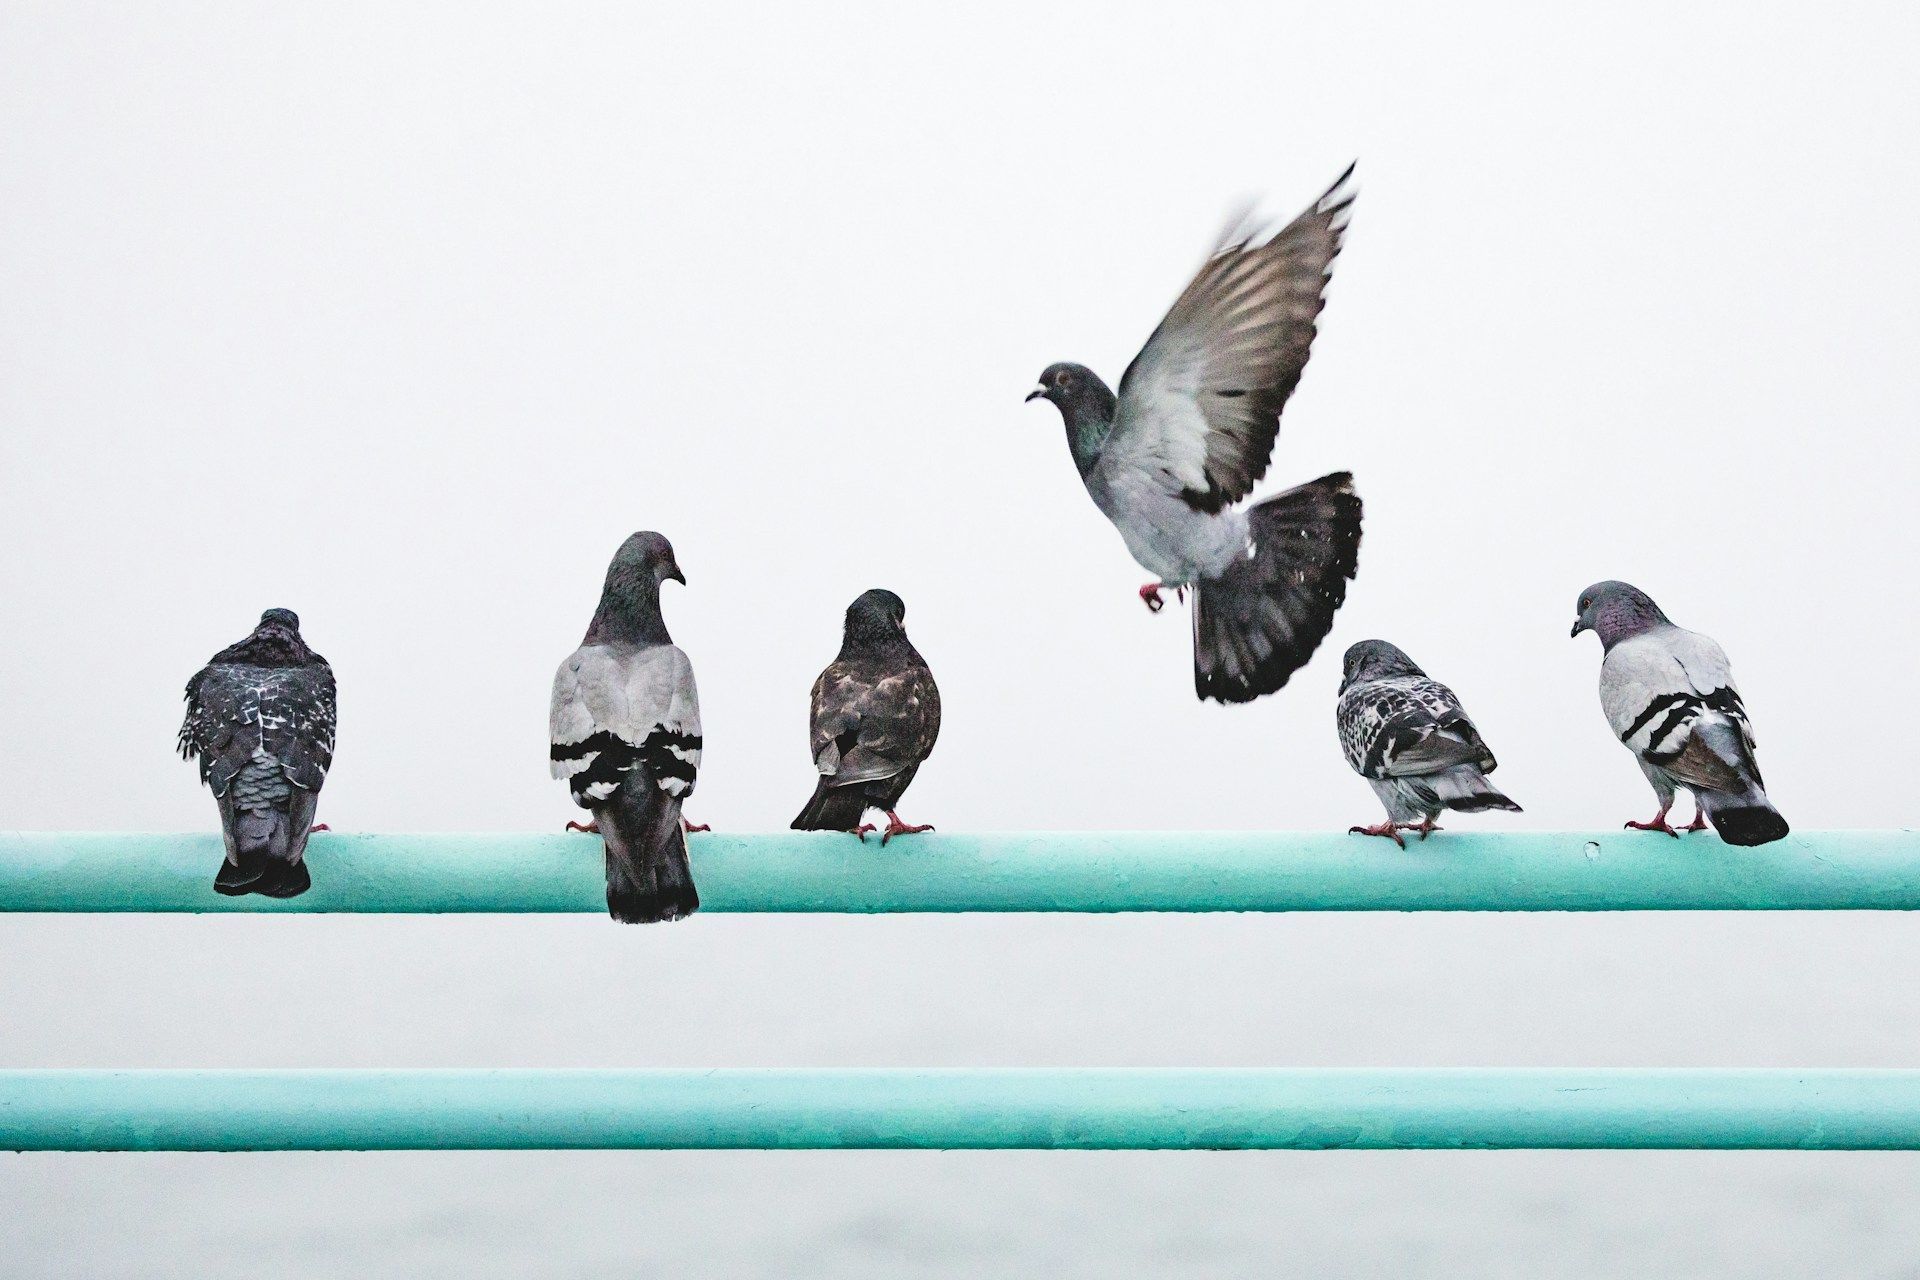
(869, 723)
(1406, 727)
(1199, 407)
(617, 712)
(1653, 687)
(287, 712)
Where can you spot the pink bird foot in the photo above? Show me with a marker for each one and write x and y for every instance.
(1657, 823)
(1387, 829)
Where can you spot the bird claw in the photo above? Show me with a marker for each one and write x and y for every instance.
(691, 827)
(1387, 829)
(1425, 829)
(1699, 822)
(319, 826)
(895, 827)
(862, 830)
(591, 828)
(1657, 823)
(1150, 595)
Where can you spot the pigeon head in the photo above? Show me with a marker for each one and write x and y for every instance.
(630, 602)
(1075, 390)
(1085, 405)
(875, 617)
(275, 642)
(1375, 660)
(1616, 611)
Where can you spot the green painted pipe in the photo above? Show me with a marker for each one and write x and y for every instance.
(1099, 1109)
(1032, 871)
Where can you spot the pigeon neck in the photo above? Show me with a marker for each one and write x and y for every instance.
(1087, 429)
(629, 613)
(877, 642)
(268, 651)
(1624, 621)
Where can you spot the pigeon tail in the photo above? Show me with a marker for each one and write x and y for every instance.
(648, 879)
(833, 808)
(1259, 621)
(266, 849)
(1468, 790)
(1742, 814)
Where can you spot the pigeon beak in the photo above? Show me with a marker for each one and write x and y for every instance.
(677, 576)
(1579, 625)
(1037, 392)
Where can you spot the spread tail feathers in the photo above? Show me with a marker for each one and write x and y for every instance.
(832, 808)
(1467, 790)
(266, 849)
(1260, 620)
(648, 879)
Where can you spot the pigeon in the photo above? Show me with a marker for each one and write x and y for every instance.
(626, 736)
(260, 722)
(876, 714)
(1669, 695)
(1409, 737)
(1190, 433)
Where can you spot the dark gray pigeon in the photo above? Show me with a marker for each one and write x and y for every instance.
(260, 721)
(1192, 431)
(875, 716)
(1409, 737)
(626, 736)
(1669, 695)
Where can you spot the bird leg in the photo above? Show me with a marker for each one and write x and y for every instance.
(1699, 822)
(895, 827)
(690, 827)
(318, 826)
(862, 830)
(591, 828)
(1151, 594)
(1657, 823)
(1425, 827)
(1389, 829)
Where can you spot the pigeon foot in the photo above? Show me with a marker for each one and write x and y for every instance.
(318, 826)
(1150, 594)
(690, 827)
(1656, 823)
(895, 827)
(1425, 828)
(591, 828)
(1387, 829)
(1699, 822)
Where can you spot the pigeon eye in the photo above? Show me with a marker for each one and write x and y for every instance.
(1062, 378)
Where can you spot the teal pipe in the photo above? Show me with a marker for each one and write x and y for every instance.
(1029, 871)
(952, 1109)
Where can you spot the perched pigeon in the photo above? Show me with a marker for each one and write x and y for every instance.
(626, 736)
(1668, 693)
(260, 720)
(1190, 433)
(876, 713)
(1408, 736)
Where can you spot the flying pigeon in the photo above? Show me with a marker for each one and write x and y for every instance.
(1192, 430)
(876, 713)
(626, 736)
(1669, 695)
(260, 721)
(1409, 737)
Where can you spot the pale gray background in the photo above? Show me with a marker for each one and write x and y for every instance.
(404, 321)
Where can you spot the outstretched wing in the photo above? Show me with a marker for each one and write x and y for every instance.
(1406, 726)
(1199, 407)
(1655, 687)
(287, 713)
(869, 724)
(617, 713)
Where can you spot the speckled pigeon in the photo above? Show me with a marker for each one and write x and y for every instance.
(260, 721)
(626, 736)
(876, 714)
(1409, 737)
(1190, 433)
(1669, 695)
